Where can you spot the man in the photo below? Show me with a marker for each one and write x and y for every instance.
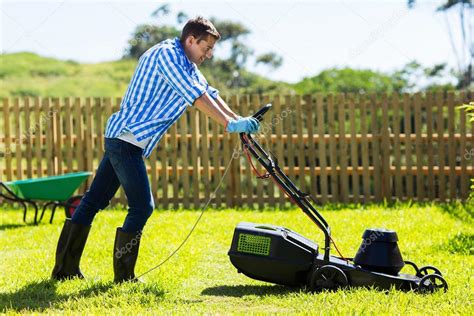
(166, 81)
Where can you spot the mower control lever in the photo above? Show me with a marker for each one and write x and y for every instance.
(259, 114)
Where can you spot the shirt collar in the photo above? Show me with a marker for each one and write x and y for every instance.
(180, 47)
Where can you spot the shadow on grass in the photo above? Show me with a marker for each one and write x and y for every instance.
(41, 295)
(15, 226)
(243, 290)
(462, 243)
(460, 211)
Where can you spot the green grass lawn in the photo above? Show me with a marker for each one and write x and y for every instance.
(200, 277)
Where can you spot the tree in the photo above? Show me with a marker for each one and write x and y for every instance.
(464, 51)
(419, 78)
(350, 80)
(271, 60)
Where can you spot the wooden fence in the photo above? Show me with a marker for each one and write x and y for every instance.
(341, 148)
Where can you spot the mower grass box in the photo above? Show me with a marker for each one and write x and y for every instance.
(272, 253)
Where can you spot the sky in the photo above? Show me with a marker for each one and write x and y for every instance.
(310, 35)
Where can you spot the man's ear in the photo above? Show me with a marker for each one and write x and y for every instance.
(190, 40)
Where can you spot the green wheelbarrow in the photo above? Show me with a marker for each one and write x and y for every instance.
(54, 191)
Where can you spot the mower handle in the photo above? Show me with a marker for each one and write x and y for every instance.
(259, 114)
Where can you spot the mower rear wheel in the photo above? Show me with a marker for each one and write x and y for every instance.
(425, 270)
(431, 283)
(327, 277)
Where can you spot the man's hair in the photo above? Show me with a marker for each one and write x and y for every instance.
(200, 28)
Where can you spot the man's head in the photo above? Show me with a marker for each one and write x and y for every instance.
(198, 39)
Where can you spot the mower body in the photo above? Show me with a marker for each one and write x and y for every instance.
(279, 255)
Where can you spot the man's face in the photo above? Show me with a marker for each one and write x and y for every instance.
(198, 52)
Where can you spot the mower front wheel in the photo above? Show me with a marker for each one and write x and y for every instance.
(328, 278)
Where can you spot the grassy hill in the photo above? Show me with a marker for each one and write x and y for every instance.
(28, 74)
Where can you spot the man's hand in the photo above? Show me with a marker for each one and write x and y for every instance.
(243, 125)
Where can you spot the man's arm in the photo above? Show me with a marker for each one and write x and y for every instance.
(225, 108)
(206, 104)
(209, 106)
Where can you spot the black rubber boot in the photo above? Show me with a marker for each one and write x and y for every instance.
(125, 255)
(69, 251)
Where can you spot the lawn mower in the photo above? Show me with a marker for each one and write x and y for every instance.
(279, 255)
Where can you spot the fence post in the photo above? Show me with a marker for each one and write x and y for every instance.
(386, 150)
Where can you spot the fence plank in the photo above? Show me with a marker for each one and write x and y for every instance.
(195, 131)
(99, 130)
(420, 192)
(68, 143)
(332, 149)
(429, 144)
(226, 191)
(28, 139)
(365, 150)
(38, 134)
(385, 159)
(7, 137)
(376, 140)
(451, 146)
(58, 131)
(216, 163)
(174, 164)
(153, 175)
(322, 147)
(344, 179)
(18, 138)
(408, 145)
(309, 108)
(396, 145)
(353, 148)
(441, 157)
(164, 178)
(301, 150)
(236, 170)
(88, 135)
(464, 152)
(79, 130)
(280, 145)
(183, 144)
(49, 136)
(204, 121)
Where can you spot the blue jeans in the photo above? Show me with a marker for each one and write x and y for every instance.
(122, 164)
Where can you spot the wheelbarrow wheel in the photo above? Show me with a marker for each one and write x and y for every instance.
(71, 204)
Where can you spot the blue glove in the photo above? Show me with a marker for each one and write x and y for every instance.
(243, 125)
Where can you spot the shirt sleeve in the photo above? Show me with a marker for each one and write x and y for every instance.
(213, 92)
(177, 77)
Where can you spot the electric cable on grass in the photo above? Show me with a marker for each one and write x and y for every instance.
(192, 228)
